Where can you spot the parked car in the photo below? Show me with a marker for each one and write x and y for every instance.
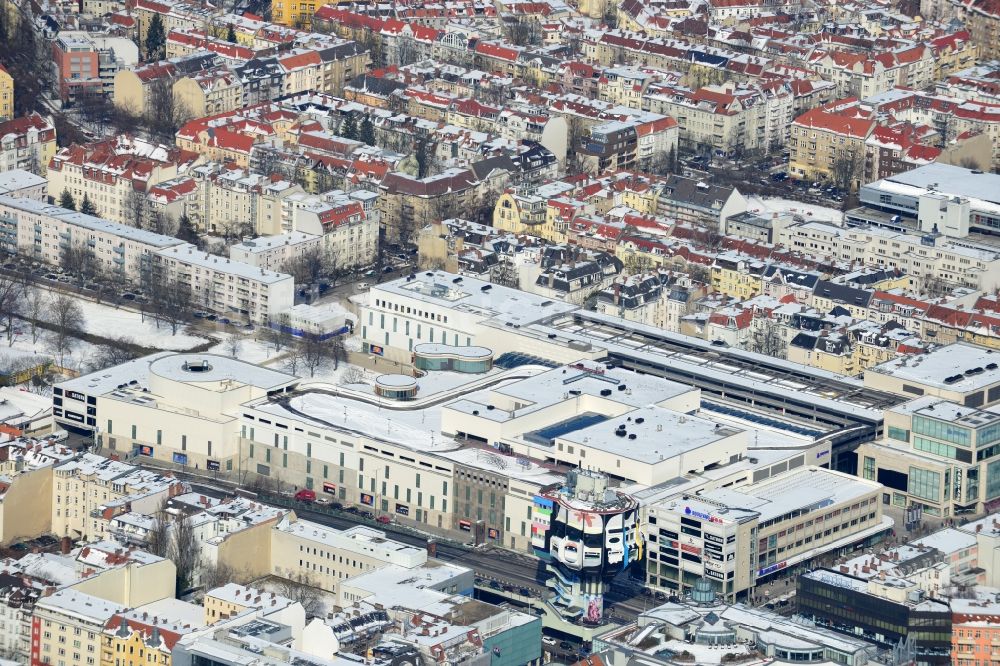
(305, 495)
(384, 519)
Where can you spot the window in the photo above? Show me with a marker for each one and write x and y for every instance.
(941, 430)
(925, 484)
(899, 434)
(869, 468)
(993, 480)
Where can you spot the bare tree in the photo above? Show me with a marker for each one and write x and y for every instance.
(523, 31)
(969, 162)
(234, 230)
(118, 351)
(304, 591)
(306, 268)
(936, 287)
(315, 354)
(352, 375)
(170, 301)
(216, 575)
(68, 322)
(275, 337)
(165, 112)
(158, 538)
(183, 552)
(699, 272)
(504, 273)
(34, 306)
(161, 223)
(766, 338)
(337, 351)
(234, 343)
(135, 209)
(847, 169)
(12, 303)
(292, 362)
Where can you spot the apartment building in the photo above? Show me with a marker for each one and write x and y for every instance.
(231, 600)
(964, 263)
(296, 14)
(67, 627)
(174, 15)
(89, 491)
(222, 285)
(955, 120)
(25, 505)
(276, 252)
(86, 65)
(616, 145)
(231, 137)
(185, 41)
(27, 143)
(6, 95)
(149, 633)
(327, 557)
(110, 173)
(348, 231)
(726, 119)
(137, 89)
(780, 524)
(658, 298)
(829, 146)
(45, 232)
(406, 203)
(691, 201)
(208, 92)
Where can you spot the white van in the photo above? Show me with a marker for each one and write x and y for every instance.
(59, 436)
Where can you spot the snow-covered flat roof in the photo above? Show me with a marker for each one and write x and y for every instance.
(19, 179)
(950, 361)
(359, 539)
(473, 296)
(268, 243)
(411, 588)
(81, 606)
(107, 380)
(947, 540)
(90, 222)
(660, 434)
(207, 368)
(956, 180)
(189, 254)
(418, 430)
(803, 488)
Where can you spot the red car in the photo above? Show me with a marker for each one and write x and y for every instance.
(305, 495)
(385, 520)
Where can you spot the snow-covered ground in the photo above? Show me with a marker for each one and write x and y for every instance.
(110, 322)
(251, 349)
(757, 204)
(339, 376)
(23, 347)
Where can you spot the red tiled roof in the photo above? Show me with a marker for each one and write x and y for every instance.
(848, 125)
